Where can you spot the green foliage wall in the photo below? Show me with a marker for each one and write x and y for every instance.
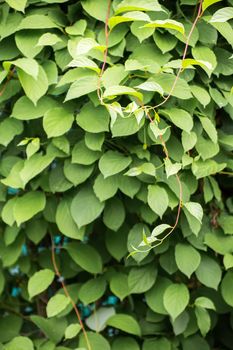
(91, 171)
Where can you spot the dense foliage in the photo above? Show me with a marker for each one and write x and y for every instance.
(93, 172)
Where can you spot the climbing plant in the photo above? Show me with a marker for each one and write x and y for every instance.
(116, 174)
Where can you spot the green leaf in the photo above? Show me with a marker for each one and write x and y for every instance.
(125, 323)
(176, 298)
(33, 88)
(93, 119)
(26, 42)
(154, 297)
(222, 15)
(205, 168)
(37, 22)
(182, 89)
(209, 272)
(28, 65)
(96, 340)
(66, 223)
(180, 118)
(187, 258)
(53, 328)
(24, 109)
(105, 188)
(28, 206)
(20, 343)
(86, 207)
(195, 209)
(96, 12)
(125, 343)
(57, 304)
(34, 166)
(150, 86)
(205, 303)
(78, 28)
(82, 86)
(39, 282)
(158, 344)
(84, 62)
(57, 121)
(167, 23)
(138, 5)
(227, 288)
(200, 94)
(118, 90)
(207, 3)
(128, 17)
(81, 154)
(119, 285)
(18, 5)
(141, 279)
(48, 39)
(114, 214)
(77, 173)
(9, 128)
(92, 290)
(171, 168)
(157, 199)
(85, 256)
(228, 261)
(209, 128)
(72, 330)
(203, 53)
(113, 162)
(203, 320)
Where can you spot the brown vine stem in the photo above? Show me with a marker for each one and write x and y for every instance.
(106, 31)
(64, 287)
(10, 75)
(184, 55)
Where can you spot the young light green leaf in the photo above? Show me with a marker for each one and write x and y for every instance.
(208, 3)
(195, 209)
(40, 281)
(128, 17)
(171, 168)
(167, 23)
(72, 330)
(138, 5)
(222, 15)
(20, 343)
(57, 304)
(118, 90)
(28, 65)
(18, 5)
(205, 303)
(84, 62)
(48, 39)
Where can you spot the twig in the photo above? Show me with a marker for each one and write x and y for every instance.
(184, 55)
(56, 269)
